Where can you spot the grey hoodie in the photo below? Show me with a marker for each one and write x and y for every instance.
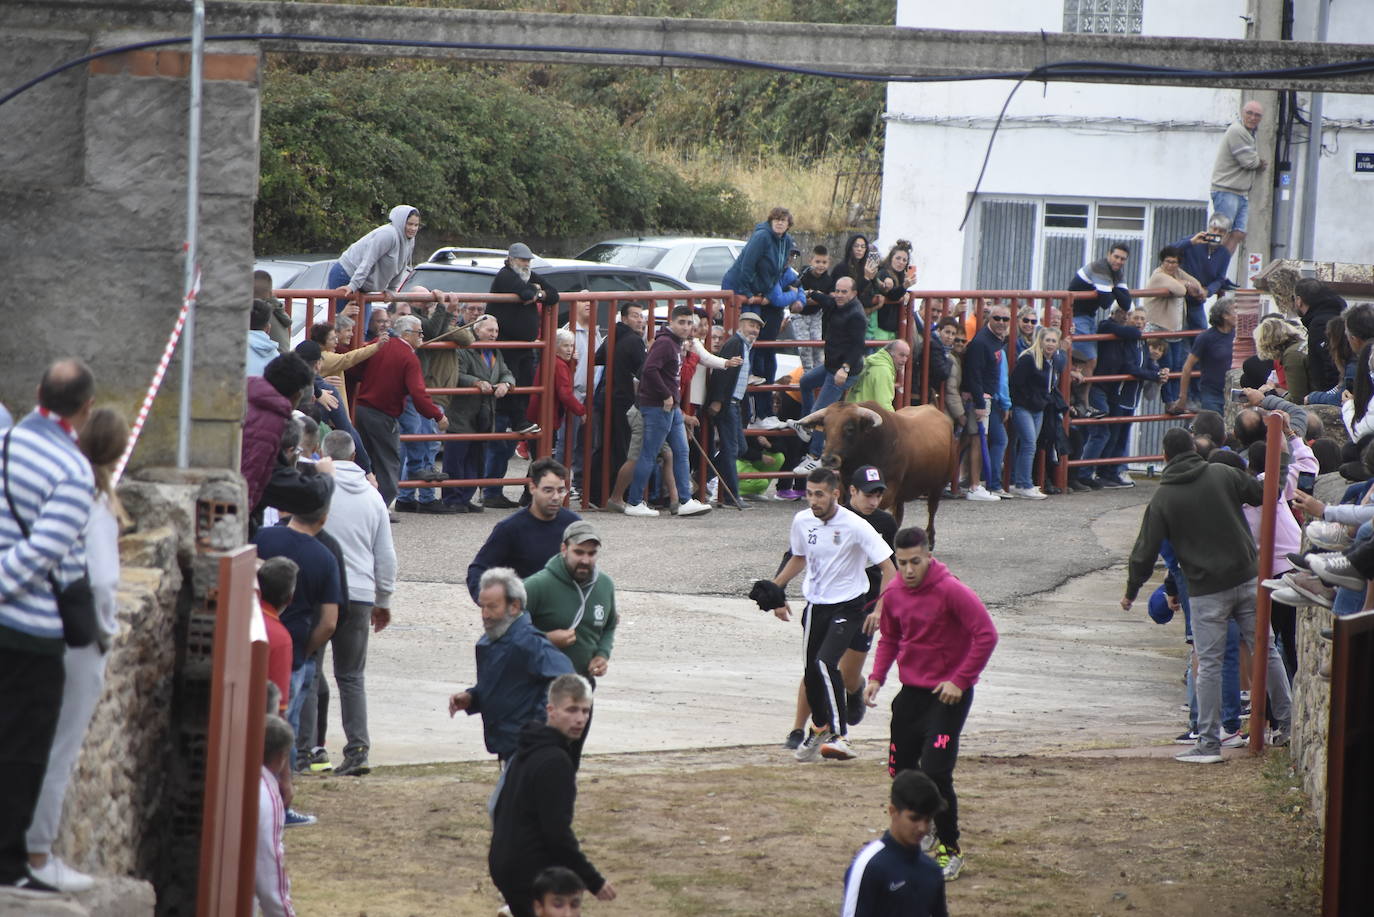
(378, 260)
(359, 522)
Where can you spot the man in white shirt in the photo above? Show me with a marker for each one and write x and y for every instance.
(835, 547)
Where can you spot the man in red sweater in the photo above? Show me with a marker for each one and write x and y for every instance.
(276, 586)
(392, 375)
(940, 635)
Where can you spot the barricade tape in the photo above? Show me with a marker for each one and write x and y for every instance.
(158, 375)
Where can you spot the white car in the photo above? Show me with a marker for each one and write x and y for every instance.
(698, 261)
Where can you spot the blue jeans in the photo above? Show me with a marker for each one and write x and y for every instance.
(1085, 324)
(1212, 400)
(338, 420)
(1027, 426)
(731, 437)
(1099, 435)
(1116, 442)
(500, 451)
(462, 459)
(661, 426)
(830, 392)
(1235, 206)
(562, 448)
(416, 457)
(338, 277)
(302, 679)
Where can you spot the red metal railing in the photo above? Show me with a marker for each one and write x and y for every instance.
(930, 305)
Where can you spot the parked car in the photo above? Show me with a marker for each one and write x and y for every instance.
(567, 275)
(299, 272)
(700, 262)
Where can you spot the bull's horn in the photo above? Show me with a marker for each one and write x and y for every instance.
(813, 417)
(871, 415)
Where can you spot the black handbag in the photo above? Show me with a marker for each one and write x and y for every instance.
(75, 602)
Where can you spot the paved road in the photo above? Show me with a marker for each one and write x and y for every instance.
(697, 665)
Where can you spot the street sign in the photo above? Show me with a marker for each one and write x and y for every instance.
(1364, 163)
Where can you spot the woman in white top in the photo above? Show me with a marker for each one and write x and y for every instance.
(102, 441)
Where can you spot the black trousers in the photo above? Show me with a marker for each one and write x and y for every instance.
(925, 735)
(521, 365)
(31, 685)
(829, 631)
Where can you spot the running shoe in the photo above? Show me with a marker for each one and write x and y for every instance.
(794, 739)
(807, 465)
(768, 423)
(810, 748)
(802, 430)
(1235, 739)
(1187, 738)
(1337, 571)
(855, 708)
(980, 493)
(951, 862)
(1329, 536)
(1199, 755)
(1309, 588)
(319, 761)
(838, 749)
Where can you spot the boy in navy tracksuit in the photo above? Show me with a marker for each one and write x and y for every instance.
(1126, 355)
(891, 877)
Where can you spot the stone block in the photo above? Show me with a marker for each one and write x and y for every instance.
(153, 548)
(1312, 706)
(43, 126)
(135, 134)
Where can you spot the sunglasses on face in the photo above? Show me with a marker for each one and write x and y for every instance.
(1000, 318)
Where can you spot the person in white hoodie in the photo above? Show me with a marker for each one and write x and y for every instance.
(359, 522)
(102, 441)
(379, 260)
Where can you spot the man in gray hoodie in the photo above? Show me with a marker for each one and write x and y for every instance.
(379, 260)
(359, 522)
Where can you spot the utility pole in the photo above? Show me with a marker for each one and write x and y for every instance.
(1266, 24)
(1312, 163)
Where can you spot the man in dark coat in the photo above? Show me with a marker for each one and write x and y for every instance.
(628, 360)
(1316, 306)
(532, 824)
(520, 322)
(515, 663)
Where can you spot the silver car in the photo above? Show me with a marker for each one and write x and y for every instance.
(699, 262)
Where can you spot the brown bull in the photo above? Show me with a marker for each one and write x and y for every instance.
(914, 448)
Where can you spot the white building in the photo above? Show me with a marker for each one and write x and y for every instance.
(1078, 167)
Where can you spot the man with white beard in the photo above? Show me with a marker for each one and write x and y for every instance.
(519, 321)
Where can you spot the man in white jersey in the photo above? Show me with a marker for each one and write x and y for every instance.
(835, 547)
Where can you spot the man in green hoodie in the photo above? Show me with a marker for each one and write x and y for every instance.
(1198, 509)
(574, 605)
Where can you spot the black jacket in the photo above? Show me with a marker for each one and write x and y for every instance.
(630, 352)
(532, 827)
(982, 359)
(720, 385)
(844, 339)
(889, 880)
(1030, 387)
(520, 320)
(1322, 374)
(819, 288)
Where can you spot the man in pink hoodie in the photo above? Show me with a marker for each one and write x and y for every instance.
(940, 635)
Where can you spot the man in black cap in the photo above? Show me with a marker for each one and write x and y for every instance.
(519, 321)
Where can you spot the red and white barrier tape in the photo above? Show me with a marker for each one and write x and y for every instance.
(158, 376)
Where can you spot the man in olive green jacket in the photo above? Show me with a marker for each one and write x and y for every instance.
(880, 374)
(573, 603)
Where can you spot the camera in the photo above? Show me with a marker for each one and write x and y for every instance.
(1213, 237)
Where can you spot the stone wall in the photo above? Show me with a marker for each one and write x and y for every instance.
(1312, 705)
(93, 213)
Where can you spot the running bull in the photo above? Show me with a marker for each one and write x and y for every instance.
(914, 447)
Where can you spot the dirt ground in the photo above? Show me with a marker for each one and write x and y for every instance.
(748, 833)
(1070, 802)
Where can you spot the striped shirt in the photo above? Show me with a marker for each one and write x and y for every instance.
(271, 885)
(52, 488)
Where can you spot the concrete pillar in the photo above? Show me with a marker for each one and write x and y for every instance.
(1266, 25)
(92, 205)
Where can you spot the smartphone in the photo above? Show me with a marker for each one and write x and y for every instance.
(1238, 394)
(874, 259)
(1306, 481)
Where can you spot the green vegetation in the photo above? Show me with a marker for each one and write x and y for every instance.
(491, 151)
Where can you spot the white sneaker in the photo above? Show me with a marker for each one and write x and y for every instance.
(639, 509)
(803, 432)
(838, 749)
(1234, 739)
(769, 423)
(692, 507)
(61, 876)
(810, 748)
(1028, 493)
(807, 465)
(980, 493)
(1329, 536)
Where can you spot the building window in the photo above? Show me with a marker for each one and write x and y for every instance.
(1038, 243)
(1103, 17)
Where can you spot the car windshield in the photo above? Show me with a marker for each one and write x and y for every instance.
(450, 281)
(624, 253)
(283, 272)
